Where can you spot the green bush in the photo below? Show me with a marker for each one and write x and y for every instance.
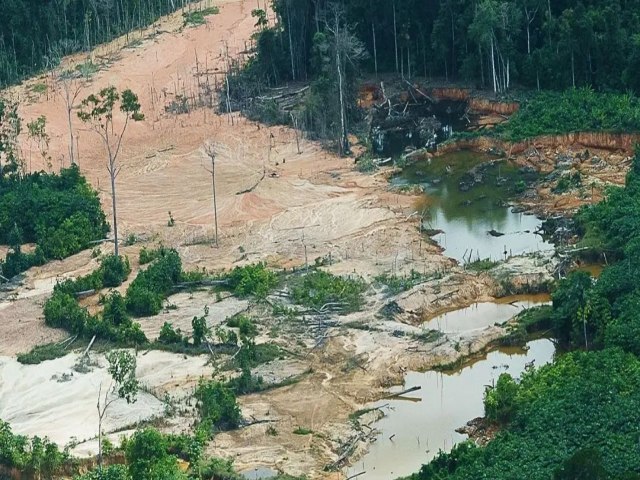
(254, 280)
(148, 255)
(115, 270)
(246, 383)
(217, 406)
(35, 456)
(396, 284)
(500, 401)
(197, 17)
(41, 353)
(220, 469)
(115, 310)
(169, 336)
(568, 182)
(200, 330)
(17, 262)
(149, 289)
(244, 324)
(60, 213)
(320, 288)
(148, 458)
(111, 472)
(63, 311)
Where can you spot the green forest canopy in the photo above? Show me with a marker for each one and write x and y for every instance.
(536, 43)
(35, 35)
(552, 45)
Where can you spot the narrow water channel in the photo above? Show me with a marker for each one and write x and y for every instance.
(415, 429)
(466, 197)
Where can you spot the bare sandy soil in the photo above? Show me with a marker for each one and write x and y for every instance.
(62, 401)
(300, 207)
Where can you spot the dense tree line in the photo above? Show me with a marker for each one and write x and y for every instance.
(36, 35)
(493, 43)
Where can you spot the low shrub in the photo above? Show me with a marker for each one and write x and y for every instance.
(169, 336)
(41, 353)
(63, 311)
(319, 288)
(149, 289)
(254, 280)
(115, 270)
(217, 406)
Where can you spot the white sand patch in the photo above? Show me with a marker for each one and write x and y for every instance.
(35, 401)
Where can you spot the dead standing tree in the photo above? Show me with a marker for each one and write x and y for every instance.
(98, 111)
(347, 51)
(71, 88)
(212, 151)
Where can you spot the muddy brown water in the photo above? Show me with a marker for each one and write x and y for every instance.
(465, 216)
(481, 315)
(414, 429)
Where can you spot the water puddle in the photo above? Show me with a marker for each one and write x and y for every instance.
(482, 315)
(466, 207)
(259, 473)
(593, 269)
(415, 429)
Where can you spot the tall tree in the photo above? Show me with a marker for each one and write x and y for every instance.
(98, 111)
(124, 385)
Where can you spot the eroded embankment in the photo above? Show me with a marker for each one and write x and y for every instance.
(623, 142)
(477, 103)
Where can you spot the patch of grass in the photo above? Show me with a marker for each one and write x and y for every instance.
(396, 284)
(87, 69)
(481, 265)
(366, 164)
(359, 326)
(428, 336)
(303, 431)
(41, 353)
(39, 88)
(198, 17)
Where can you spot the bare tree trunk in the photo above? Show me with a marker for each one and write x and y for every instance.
(210, 150)
(493, 67)
(112, 174)
(293, 69)
(395, 34)
(215, 204)
(344, 140)
(375, 50)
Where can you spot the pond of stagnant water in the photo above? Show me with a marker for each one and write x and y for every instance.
(483, 314)
(417, 426)
(466, 212)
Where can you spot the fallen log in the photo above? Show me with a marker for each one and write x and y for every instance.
(88, 347)
(286, 94)
(249, 190)
(404, 392)
(85, 293)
